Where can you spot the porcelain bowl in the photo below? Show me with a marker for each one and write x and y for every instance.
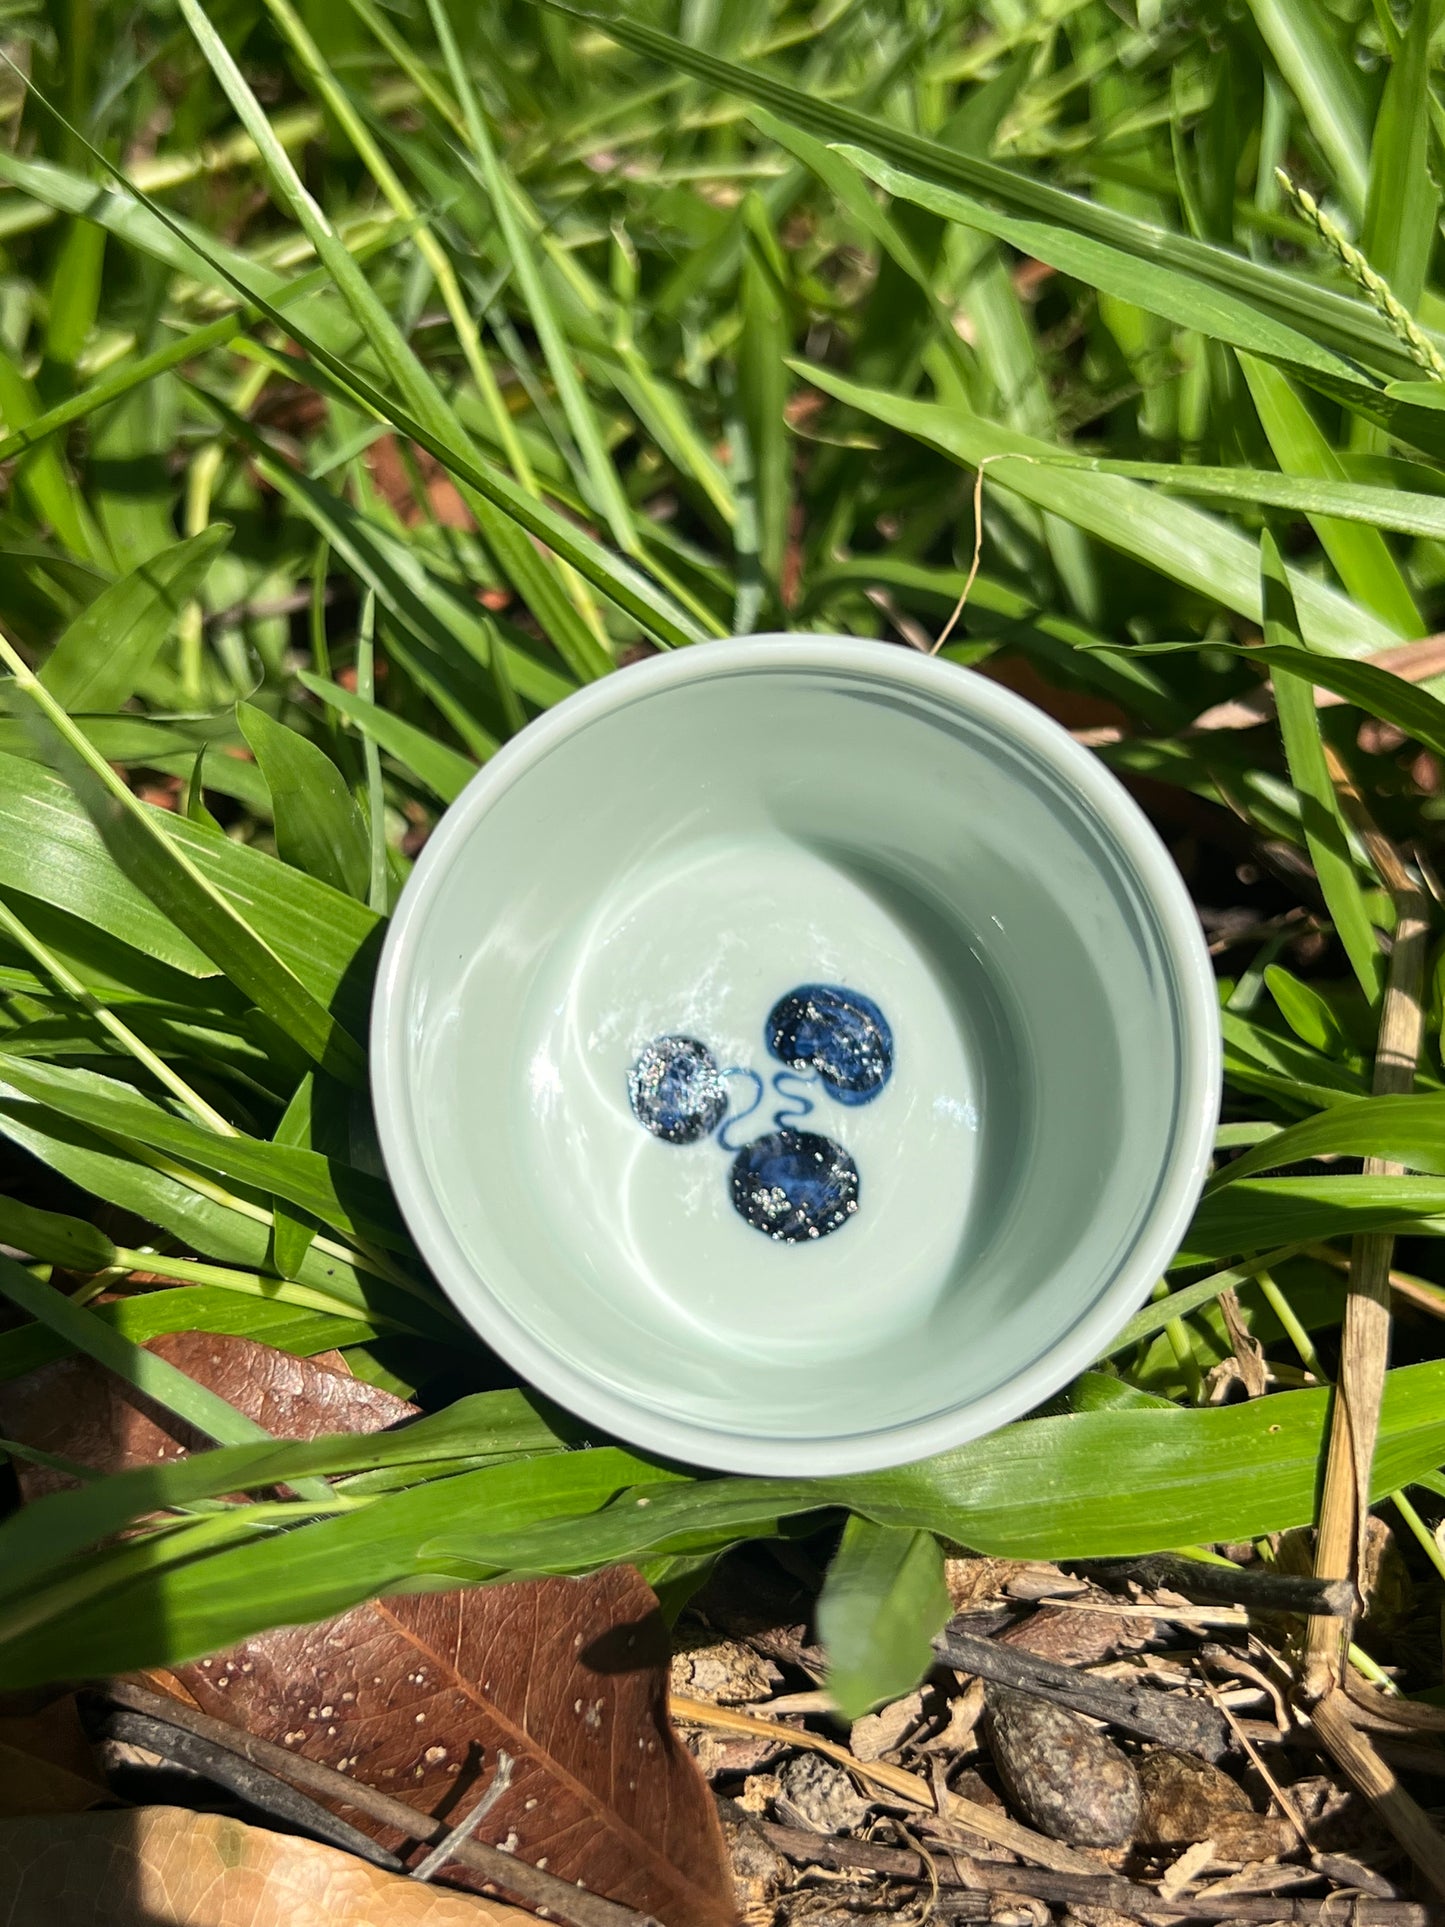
(795, 1055)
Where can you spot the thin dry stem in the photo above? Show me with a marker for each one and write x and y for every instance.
(962, 602)
(1355, 1417)
(1357, 1759)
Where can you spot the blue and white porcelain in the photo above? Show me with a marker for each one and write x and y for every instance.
(795, 1055)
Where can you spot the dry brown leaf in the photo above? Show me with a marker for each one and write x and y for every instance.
(413, 1695)
(79, 1410)
(164, 1867)
(46, 1765)
(567, 1676)
(1072, 1638)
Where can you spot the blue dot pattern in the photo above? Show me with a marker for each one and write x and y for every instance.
(840, 1034)
(794, 1186)
(676, 1090)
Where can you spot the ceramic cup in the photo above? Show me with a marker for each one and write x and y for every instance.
(795, 1055)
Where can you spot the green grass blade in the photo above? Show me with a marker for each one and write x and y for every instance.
(155, 1377)
(1259, 1212)
(882, 1601)
(51, 850)
(357, 1204)
(534, 575)
(1404, 510)
(378, 885)
(293, 1234)
(41, 473)
(763, 385)
(1402, 203)
(1324, 83)
(1193, 549)
(1032, 1490)
(605, 489)
(489, 1424)
(1306, 1012)
(150, 855)
(1324, 827)
(1406, 1130)
(445, 772)
(1347, 325)
(113, 387)
(106, 652)
(232, 1226)
(1177, 295)
(318, 826)
(1361, 559)
(54, 1237)
(189, 1308)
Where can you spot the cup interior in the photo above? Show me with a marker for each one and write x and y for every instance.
(796, 1058)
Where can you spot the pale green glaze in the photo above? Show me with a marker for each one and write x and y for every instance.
(671, 851)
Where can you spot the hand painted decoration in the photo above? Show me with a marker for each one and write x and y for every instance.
(840, 1034)
(794, 1186)
(677, 1090)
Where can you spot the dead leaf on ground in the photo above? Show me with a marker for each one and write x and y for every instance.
(80, 1411)
(567, 1676)
(416, 1695)
(165, 1867)
(1070, 1637)
(46, 1765)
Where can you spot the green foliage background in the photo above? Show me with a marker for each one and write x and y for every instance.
(371, 376)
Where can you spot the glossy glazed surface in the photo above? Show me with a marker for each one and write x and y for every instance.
(932, 964)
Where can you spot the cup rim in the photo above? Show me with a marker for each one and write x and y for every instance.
(1181, 939)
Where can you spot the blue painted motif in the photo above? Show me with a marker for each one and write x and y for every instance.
(794, 1186)
(840, 1034)
(792, 1087)
(724, 1136)
(677, 1091)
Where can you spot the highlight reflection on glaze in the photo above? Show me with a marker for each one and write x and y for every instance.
(794, 1186)
(676, 1090)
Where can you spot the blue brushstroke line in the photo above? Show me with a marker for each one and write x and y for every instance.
(739, 1070)
(800, 1102)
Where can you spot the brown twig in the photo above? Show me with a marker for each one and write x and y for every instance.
(1364, 1352)
(253, 1784)
(1259, 1589)
(1256, 1759)
(1384, 1710)
(465, 1829)
(987, 1822)
(1186, 1724)
(962, 603)
(1097, 1890)
(572, 1905)
(1413, 1291)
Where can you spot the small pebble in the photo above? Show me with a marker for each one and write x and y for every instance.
(1063, 1776)
(813, 1792)
(1182, 1798)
